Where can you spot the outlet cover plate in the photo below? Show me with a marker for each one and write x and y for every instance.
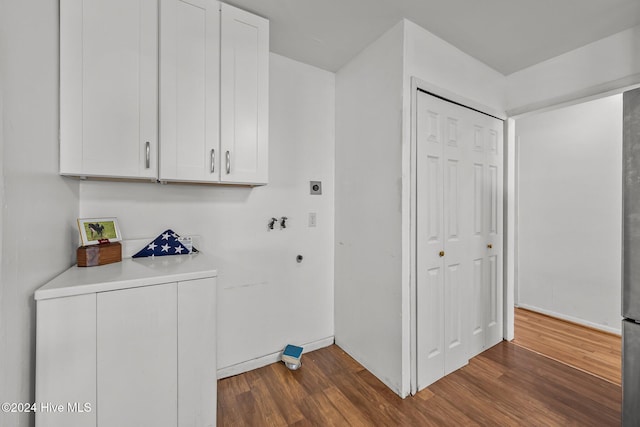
(315, 187)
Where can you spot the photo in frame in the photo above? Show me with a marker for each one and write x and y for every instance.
(94, 231)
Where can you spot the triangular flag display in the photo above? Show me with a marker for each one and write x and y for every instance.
(166, 243)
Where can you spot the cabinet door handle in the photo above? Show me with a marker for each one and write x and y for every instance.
(147, 160)
(441, 254)
(489, 246)
(228, 162)
(213, 160)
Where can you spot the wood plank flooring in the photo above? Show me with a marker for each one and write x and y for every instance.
(506, 385)
(590, 350)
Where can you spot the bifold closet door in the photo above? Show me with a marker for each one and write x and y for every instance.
(485, 310)
(443, 236)
(458, 202)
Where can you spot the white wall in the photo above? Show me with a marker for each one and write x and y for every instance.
(2, 84)
(368, 269)
(444, 66)
(373, 165)
(607, 64)
(265, 298)
(39, 207)
(4, 372)
(570, 212)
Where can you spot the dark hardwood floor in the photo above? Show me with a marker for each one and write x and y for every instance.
(506, 385)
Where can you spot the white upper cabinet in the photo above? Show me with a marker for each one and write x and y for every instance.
(189, 90)
(108, 88)
(195, 112)
(244, 97)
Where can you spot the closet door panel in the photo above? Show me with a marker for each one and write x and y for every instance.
(476, 313)
(431, 350)
(494, 233)
(486, 240)
(477, 245)
(456, 285)
(430, 328)
(454, 319)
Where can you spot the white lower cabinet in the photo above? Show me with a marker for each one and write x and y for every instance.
(66, 360)
(141, 356)
(137, 335)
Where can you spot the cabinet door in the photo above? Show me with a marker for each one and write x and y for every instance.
(244, 96)
(189, 90)
(137, 356)
(197, 381)
(108, 88)
(66, 361)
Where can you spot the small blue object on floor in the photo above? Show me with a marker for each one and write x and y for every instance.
(291, 356)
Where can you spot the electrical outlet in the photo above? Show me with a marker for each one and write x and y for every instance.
(312, 219)
(315, 187)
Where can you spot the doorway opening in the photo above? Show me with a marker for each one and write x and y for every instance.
(569, 234)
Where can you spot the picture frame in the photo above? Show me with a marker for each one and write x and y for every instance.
(94, 231)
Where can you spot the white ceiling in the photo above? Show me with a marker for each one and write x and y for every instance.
(507, 35)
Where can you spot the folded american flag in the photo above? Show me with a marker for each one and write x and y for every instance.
(166, 243)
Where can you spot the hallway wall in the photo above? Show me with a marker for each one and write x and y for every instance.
(570, 212)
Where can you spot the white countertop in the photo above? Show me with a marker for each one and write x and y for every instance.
(130, 273)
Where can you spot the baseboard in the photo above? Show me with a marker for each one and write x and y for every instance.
(259, 362)
(609, 329)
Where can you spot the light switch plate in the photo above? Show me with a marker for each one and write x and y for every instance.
(315, 187)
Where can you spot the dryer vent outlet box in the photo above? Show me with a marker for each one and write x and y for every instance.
(315, 187)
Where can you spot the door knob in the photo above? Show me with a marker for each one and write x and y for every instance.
(489, 246)
(441, 253)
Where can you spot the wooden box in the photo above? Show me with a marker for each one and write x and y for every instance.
(105, 253)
